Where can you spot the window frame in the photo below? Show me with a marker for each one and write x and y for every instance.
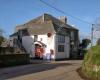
(61, 39)
(61, 48)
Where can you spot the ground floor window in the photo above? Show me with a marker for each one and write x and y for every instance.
(60, 48)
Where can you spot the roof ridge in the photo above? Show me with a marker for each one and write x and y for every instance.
(46, 18)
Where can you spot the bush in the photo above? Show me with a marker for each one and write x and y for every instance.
(5, 50)
(98, 41)
(14, 59)
(1, 39)
(91, 63)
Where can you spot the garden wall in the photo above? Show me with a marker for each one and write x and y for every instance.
(13, 59)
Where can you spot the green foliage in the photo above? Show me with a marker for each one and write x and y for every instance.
(98, 41)
(5, 50)
(91, 63)
(13, 59)
(1, 36)
(96, 55)
(1, 39)
(85, 43)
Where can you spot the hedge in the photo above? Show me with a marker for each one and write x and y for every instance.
(4, 50)
(13, 59)
(91, 63)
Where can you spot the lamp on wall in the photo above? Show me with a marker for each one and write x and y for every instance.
(72, 43)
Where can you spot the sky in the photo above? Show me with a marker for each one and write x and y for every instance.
(16, 12)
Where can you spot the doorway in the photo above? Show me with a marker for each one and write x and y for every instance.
(38, 51)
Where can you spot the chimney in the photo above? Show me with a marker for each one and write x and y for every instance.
(63, 19)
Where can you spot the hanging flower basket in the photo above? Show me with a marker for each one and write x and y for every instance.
(49, 34)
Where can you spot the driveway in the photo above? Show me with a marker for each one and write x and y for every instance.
(58, 70)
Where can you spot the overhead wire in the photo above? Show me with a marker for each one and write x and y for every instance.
(65, 13)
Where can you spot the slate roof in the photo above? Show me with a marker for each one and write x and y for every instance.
(44, 24)
(41, 28)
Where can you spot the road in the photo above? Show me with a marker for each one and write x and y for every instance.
(58, 70)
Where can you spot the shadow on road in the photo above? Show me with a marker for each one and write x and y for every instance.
(28, 69)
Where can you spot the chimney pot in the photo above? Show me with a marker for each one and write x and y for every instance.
(63, 19)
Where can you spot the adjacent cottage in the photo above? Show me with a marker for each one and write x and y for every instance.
(47, 37)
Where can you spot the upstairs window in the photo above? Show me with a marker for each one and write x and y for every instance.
(72, 35)
(61, 39)
(35, 38)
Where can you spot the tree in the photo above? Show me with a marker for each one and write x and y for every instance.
(1, 37)
(85, 43)
(1, 32)
(98, 42)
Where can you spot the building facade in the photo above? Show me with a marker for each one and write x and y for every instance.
(47, 37)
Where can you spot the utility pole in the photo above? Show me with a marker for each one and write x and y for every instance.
(92, 35)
